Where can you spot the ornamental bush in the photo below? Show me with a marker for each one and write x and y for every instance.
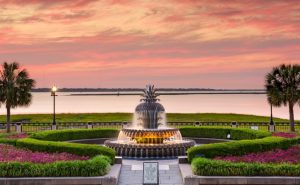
(238, 148)
(97, 166)
(75, 134)
(73, 148)
(8, 141)
(221, 132)
(207, 167)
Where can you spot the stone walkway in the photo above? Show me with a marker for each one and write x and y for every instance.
(132, 172)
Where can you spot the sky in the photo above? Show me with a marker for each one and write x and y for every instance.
(130, 43)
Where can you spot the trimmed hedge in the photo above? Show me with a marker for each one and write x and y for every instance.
(73, 148)
(8, 141)
(75, 134)
(221, 132)
(208, 167)
(238, 148)
(97, 166)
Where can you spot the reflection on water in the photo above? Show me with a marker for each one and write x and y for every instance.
(217, 103)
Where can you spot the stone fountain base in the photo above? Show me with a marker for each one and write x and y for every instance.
(136, 150)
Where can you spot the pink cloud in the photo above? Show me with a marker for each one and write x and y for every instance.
(130, 42)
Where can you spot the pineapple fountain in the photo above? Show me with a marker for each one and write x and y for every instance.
(149, 136)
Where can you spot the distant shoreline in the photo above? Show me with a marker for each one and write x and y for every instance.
(110, 90)
(179, 93)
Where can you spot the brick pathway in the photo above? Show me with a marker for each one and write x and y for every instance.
(132, 172)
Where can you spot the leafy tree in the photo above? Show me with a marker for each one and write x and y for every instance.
(283, 88)
(15, 88)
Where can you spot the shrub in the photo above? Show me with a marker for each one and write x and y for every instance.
(8, 141)
(238, 148)
(208, 167)
(75, 134)
(97, 166)
(221, 133)
(73, 148)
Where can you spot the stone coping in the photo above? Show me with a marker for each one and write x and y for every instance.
(190, 179)
(110, 179)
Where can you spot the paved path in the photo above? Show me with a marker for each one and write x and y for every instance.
(132, 172)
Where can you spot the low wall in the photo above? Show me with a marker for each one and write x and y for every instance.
(110, 179)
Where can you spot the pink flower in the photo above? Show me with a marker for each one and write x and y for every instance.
(18, 136)
(10, 153)
(292, 155)
(284, 134)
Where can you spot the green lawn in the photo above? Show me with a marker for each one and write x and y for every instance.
(107, 117)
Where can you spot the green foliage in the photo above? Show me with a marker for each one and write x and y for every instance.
(3, 135)
(75, 134)
(283, 84)
(209, 167)
(111, 117)
(97, 166)
(221, 132)
(237, 148)
(15, 88)
(73, 148)
(283, 88)
(8, 141)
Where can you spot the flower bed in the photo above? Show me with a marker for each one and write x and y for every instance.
(17, 136)
(291, 155)
(9, 153)
(240, 148)
(284, 134)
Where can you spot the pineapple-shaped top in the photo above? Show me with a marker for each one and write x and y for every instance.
(150, 95)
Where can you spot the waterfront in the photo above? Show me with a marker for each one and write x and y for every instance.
(255, 104)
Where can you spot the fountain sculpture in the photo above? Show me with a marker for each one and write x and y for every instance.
(148, 135)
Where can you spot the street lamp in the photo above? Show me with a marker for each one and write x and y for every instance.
(271, 117)
(53, 91)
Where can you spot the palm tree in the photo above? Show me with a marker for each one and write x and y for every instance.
(15, 87)
(283, 88)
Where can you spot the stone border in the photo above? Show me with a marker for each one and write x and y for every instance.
(190, 179)
(110, 179)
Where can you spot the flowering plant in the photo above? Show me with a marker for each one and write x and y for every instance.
(284, 134)
(292, 155)
(10, 153)
(17, 136)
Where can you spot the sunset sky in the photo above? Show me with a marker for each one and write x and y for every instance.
(129, 43)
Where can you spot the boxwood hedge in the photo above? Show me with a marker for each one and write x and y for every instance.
(207, 167)
(8, 141)
(96, 166)
(240, 147)
(221, 132)
(75, 134)
(73, 148)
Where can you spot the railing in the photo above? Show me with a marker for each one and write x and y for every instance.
(35, 127)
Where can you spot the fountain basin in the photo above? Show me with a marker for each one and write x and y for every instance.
(166, 149)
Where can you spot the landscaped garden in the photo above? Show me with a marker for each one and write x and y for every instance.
(44, 154)
(251, 153)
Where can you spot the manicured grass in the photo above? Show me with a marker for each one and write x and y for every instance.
(111, 117)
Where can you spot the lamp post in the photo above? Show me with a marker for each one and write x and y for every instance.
(272, 124)
(53, 93)
(271, 117)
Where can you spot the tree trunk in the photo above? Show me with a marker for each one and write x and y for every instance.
(292, 120)
(8, 119)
